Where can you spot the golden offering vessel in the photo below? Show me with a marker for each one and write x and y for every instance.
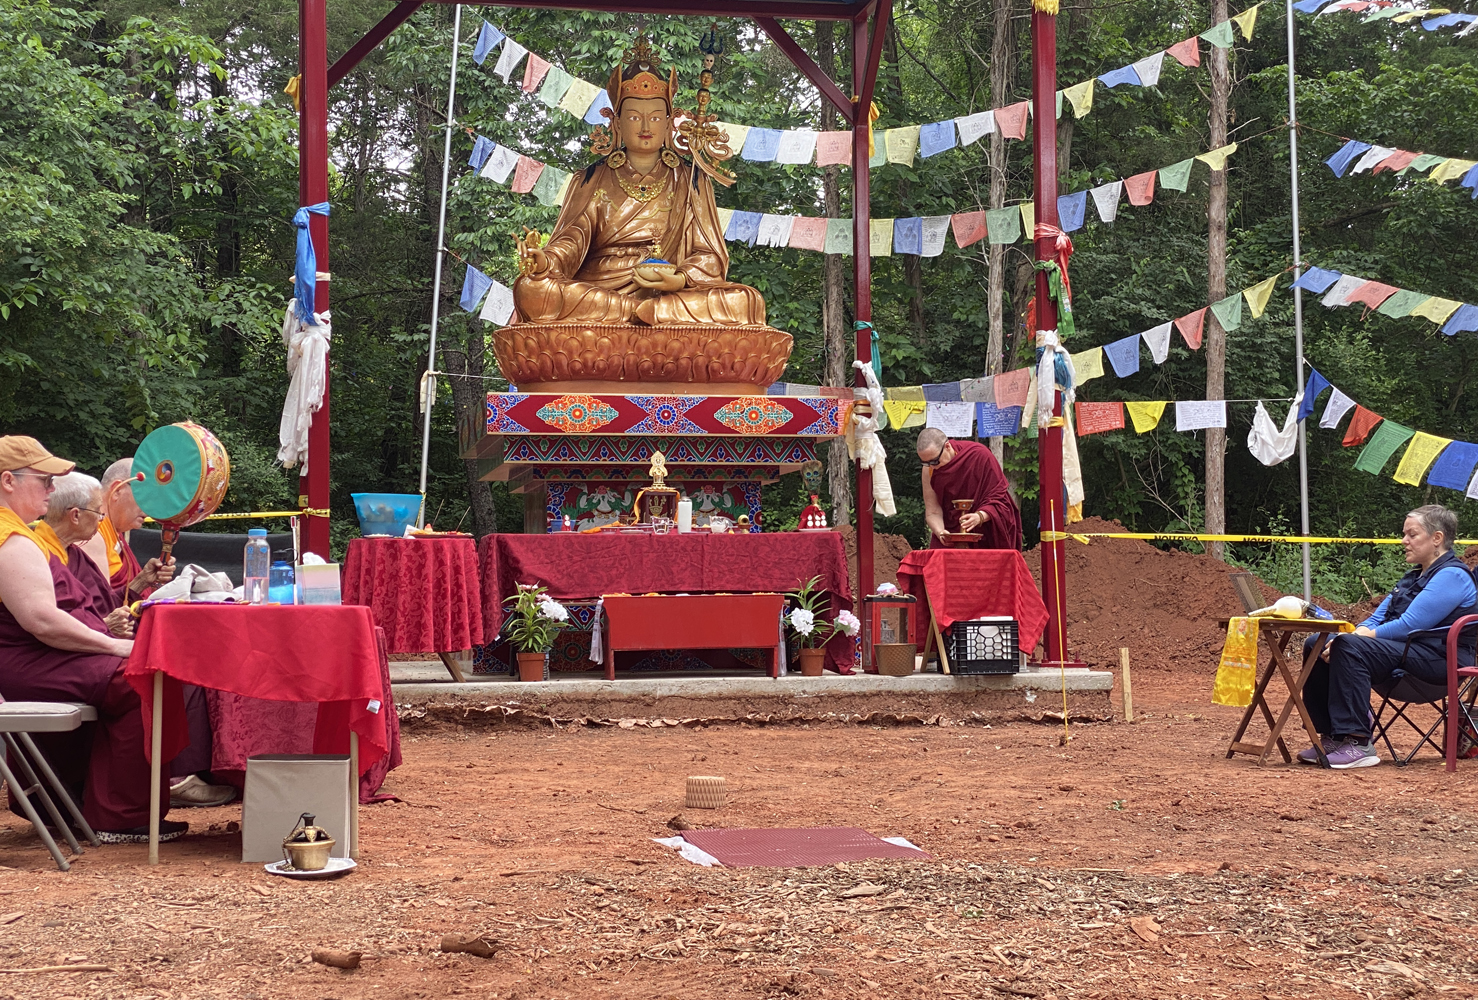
(659, 499)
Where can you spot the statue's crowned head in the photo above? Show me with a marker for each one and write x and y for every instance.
(642, 99)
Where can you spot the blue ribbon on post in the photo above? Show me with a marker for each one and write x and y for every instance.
(305, 286)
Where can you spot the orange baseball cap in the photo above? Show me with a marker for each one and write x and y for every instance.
(20, 452)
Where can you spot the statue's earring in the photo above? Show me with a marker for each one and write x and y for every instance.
(669, 157)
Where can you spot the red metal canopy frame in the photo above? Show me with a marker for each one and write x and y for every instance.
(869, 19)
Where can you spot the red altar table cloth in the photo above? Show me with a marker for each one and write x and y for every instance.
(313, 653)
(961, 584)
(697, 621)
(575, 566)
(424, 592)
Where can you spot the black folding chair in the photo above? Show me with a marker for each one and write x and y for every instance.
(1452, 699)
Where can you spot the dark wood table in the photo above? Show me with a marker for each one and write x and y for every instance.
(1276, 633)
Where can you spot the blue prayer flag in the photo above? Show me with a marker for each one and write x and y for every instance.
(1309, 6)
(908, 235)
(593, 116)
(1316, 280)
(942, 392)
(1124, 355)
(481, 150)
(1470, 180)
(936, 138)
(1465, 320)
(778, 389)
(744, 227)
(474, 286)
(996, 421)
(305, 269)
(1070, 211)
(1454, 467)
(1345, 155)
(1124, 74)
(488, 38)
(1316, 384)
(1447, 20)
(762, 144)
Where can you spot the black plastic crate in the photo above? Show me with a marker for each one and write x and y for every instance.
(983, 646)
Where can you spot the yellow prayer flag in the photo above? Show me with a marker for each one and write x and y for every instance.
(736, 133)
(1029, 219)
(880, 237)
(902, 144)
(579, 97)
(1246, 20)
(1451, 169)
(1420, 455)
(724, 215)
(904, 413)
(1146, 416)
(1435, 309)
(908, 392)
(564, 187)
(1087, 365)
(1257, 296)
(1080, 97)
(1216, 159)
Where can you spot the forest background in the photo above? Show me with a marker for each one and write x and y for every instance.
(148, 175)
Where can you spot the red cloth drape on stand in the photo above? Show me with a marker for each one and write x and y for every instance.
(424, 592)
(962, 584)
(317, 653)
(575, 566)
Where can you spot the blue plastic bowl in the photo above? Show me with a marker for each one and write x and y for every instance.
(386, 513)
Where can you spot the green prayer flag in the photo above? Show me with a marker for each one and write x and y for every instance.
(1177, 175)
(550, 185)
(1003, 225)
(1424, 162)
(879, 149)
(1401, 303)
(1382, 445)
(556, 83)
(1228, 312)
(1220, 36)
(839, 236)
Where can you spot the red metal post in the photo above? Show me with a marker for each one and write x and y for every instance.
(312, 189)
(1049, 438)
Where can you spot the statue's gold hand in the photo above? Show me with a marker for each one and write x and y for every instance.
(668, 283)
(538, 260)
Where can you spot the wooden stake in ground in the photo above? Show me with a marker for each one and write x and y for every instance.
(1128, 687)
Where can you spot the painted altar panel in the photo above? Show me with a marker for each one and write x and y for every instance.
(595, 504)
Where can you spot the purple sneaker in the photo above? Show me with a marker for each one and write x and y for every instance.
(1310, 756)
(1351, 754)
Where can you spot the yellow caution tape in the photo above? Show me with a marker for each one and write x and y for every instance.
(308, 511)
(1172, 536)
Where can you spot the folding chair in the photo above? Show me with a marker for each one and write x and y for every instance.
(18, 719)
(1453, 700)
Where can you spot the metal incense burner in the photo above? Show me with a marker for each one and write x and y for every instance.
(307, 847)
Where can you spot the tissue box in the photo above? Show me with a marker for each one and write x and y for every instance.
(319, 584)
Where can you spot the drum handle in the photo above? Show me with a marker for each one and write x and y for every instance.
(168, 535)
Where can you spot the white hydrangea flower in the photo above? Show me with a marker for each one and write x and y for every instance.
(551, 608)
(802, 621)
(848, 623)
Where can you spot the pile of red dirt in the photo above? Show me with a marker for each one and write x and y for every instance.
(887, 552)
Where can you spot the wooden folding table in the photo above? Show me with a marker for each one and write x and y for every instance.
(1276, 634)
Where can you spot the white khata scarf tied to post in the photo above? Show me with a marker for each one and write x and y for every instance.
(307, 354)
(863, 444)
(1055, 368)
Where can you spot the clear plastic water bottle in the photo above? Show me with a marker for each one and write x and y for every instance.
(256, 564)
(280, 588)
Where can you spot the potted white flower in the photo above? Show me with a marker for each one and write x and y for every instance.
(804, 621)
(535, 620)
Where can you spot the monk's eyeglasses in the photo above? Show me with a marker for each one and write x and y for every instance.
(933, 462)
(50, 480)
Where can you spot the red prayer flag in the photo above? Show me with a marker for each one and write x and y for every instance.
(1140, 188)
(1361, 424)
(1011, 387)
(1371, 294)
(533, 73)
(1190, 327)
(969, 227)
(834, 147)
(1011, 121)
(525, 174)
(1095, 418)
(1187, 53)
(808, 234)
(1399, 160)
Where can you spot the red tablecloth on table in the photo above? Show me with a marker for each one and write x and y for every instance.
(576, 566)
(976, 583)
(316, 653)
(424, 592)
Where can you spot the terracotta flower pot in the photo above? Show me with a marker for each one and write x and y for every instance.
(533, 666)
(813, 662)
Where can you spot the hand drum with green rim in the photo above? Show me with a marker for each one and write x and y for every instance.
(180, 475)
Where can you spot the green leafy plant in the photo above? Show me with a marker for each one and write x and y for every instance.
(803, 622)
(536, 618)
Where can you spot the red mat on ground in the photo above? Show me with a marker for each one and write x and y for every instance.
(819, 845)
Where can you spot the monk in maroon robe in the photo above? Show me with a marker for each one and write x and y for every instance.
(966, 470)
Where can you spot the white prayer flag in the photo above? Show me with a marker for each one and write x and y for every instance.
(972, 127)
(796, 146)
(935, 226)
(510, 57)
(957, 420)
(500, 164)
(1339, 295)
(978, 390)
(1473, 484)
(498, 308)
(1199, 414)
(1148, 68)
(1339, 404)
(1106, 200)
(1372, 156)
(1158, 341)
(775, 230)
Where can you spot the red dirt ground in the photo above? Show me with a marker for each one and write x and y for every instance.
(1136, 861)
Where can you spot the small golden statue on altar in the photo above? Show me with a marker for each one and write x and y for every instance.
(632, 283)
(658, 500)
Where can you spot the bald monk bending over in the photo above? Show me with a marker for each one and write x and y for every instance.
(966, 470)
(54, 647)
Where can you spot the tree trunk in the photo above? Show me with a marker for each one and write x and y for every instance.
(1216, 288)
(839, 346)
(469, 400)
(1001, 53)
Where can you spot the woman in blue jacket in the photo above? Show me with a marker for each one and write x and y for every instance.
(1435, 594)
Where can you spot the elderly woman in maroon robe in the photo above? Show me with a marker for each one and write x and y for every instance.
(966, 470)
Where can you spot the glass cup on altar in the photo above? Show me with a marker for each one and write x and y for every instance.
(661, 525)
